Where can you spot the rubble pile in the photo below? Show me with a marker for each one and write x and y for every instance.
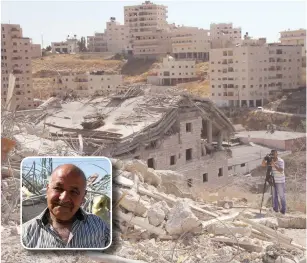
(152, 226)
(151, 223)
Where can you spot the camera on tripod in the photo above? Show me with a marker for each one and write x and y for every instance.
(268, 158)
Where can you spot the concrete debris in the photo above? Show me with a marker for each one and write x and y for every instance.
(224, 229)
(224, 203)
(155, 222)
(149, 175)
(297, 222)
(181, 220)
(157, 213)
(267, 221)
(133, 203)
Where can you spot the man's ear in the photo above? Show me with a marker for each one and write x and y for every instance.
(47, 187)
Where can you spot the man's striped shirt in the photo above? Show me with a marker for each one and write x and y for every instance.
(279, 177)
(88, 231)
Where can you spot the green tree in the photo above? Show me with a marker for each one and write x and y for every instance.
(48, 48)
(82, 44)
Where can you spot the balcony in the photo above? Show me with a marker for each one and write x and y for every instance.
(14, 29)
(80, 80)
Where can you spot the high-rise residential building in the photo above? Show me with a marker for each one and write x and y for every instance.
(296, 38)
(16, 56)
(190, 43)
(148, 29)
(247, 75)
(117, 36)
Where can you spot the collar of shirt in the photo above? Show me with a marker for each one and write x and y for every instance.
(43, 221)
(43, 218)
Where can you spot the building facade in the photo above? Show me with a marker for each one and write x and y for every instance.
(88, 84)
(69, 46)
(247, 75)
(117, 37)
(190, 43)
(172, 72)
(97, 43)
(148, 29)
(16, 56)
(295, 38)
(36, 50)
(223, 35)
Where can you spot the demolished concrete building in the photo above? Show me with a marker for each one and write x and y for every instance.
(168, 132)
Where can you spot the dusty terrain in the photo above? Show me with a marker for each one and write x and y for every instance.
(134, 71)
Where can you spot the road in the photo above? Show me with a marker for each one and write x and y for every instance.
(284, 113)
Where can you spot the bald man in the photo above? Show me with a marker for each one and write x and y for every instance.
(63, 224)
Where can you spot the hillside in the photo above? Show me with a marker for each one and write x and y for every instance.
(134, 71)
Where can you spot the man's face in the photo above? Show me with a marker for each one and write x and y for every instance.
(65, 192)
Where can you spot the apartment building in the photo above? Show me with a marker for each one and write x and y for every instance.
(117, 37)
(97, 43)
(84, 84)
(148, 29)
(190, 43)
(296, 38)
(171, 72)
(69, 46)
(247, 75)
(16, 59)
(224, 35)
(36, 50)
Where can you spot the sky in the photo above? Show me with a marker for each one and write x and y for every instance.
(51, 21)
(87, 165)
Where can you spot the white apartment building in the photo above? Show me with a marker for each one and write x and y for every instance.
(172, 72)
(247, 75)
(148, 29)
(97, 43)
(84, 84)
(69, 46)
(117, 37)
(295, 38)
(224, 35)
(36, 50)
(190, 43)
(16, 59)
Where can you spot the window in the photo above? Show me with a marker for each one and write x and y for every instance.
(220, 172)
(242, 165)
(205, 177)
(188, 127)
(188, 154)
(229, 168)
(151, 163)
(173, 160)
(189, 182)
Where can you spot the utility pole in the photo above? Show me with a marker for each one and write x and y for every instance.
(42, 36)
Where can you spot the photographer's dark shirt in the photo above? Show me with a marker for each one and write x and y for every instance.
(88, 231)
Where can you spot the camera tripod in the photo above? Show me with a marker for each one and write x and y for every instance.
(269, 178)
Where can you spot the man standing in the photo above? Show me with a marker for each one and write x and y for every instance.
(63, 224)
(278, 167)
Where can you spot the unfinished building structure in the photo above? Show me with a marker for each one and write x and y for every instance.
(16, 56)
(169, 132)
